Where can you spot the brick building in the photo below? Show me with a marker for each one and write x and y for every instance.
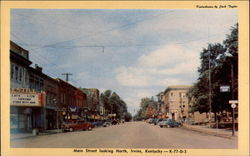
(71, 101)
(176, 102)
(37, 100)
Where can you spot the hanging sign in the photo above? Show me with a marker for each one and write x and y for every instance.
(224, 88)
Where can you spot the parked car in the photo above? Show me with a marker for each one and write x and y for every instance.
(156, 121)
(169, 123)
(151, 121)
(98, 123)
(107, 123)
(77, 125)
(189, 121)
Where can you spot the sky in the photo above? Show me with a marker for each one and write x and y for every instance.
(136, 53)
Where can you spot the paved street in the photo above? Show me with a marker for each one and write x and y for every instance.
(128, 135)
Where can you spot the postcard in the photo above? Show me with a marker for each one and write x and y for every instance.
(124, 78)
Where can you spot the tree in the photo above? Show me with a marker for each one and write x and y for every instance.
(148, 108)
(220, 70)
(127, 117)
(113, 103)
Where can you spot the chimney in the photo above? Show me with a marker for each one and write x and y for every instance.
(38, 68)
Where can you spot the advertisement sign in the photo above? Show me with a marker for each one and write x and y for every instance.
(25, 99)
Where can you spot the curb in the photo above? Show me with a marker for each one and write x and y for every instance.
(209, 132)
(31, 136)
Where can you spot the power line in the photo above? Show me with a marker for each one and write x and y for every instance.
(36, 56)
(135, 45)
(101, 32)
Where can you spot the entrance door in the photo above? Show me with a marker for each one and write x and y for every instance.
(173, 116)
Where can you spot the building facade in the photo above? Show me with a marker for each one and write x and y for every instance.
(71, 101)
(25, 102)
(176, 103)
(37, 100)
(25, 109)
(19, 64)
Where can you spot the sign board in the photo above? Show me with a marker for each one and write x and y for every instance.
(233, 101)
(224, 88)
(233, 105)
(26, 99)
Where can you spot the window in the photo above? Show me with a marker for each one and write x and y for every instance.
(41, 85)
(61, 97)
(16, 72)
(32, 81)
(36, 84)
(183, 106)
(21, 74)
(12, 70)
(172, 94)
(64, 99)
(25, 74)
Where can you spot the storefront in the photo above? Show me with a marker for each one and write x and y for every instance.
(26, 111)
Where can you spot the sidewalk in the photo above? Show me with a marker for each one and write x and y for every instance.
(14, 136)
(225, 133)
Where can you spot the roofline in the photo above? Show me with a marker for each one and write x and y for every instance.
(181, 87)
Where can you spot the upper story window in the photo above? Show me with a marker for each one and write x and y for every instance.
(12, 70)
(21, 74)
(182, 95)
(16, 72)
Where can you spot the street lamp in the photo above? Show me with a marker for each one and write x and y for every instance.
(232, 101)
(57, 123)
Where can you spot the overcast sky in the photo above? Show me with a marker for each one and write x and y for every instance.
(136, 53)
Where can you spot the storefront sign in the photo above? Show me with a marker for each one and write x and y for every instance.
(21, 99)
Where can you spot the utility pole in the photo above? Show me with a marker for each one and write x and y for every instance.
(67, 76)
(232, 92)
(209, 94)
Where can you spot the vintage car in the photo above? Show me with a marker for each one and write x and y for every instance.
(169, 123)
(98, 123)
(107, 123)
(77, 125)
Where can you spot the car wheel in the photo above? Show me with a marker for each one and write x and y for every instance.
(161, 126)
(71, 129)
(89, 128)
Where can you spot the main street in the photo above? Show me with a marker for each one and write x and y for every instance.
(128, 135)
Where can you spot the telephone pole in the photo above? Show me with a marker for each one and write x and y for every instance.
(67, 76)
